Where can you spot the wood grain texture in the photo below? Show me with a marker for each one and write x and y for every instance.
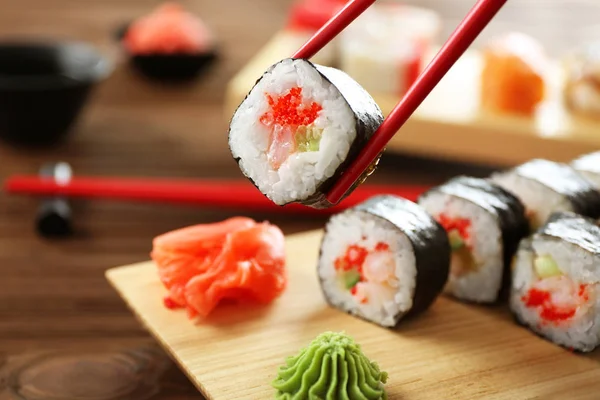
(452, 351)
(450, 122)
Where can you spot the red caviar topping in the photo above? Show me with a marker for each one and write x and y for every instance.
(341, 264)
(549, 311)
(382, 246)
(289, 110)
(553, 314)
(356, 255)
(461, 225)
(583, 292)
(536, 298)
(353, 260)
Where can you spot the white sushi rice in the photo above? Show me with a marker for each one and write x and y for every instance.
(302, 173)
(535, 196)
(589, 167)
(583, 331)
(482, 285)
(363, 229)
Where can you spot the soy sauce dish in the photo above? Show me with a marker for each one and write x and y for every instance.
(44, 85)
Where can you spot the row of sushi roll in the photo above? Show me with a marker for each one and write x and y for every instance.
(527, 236)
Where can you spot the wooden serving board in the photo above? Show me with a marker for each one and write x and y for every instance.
(450, 124)
(452, 351)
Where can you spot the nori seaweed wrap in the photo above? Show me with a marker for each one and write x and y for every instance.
(299, 128)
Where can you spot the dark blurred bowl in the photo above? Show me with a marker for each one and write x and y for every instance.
(172, 67)
(168, 67)
(43, 88)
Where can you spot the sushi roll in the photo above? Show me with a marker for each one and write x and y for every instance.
(385, 48)
(484, 224)
(555, 285)
(298, 128)
(581, 91)
(382, 260)
(546, 186)
(589, 166)
(513, 75)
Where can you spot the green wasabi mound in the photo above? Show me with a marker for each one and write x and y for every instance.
(332, 367)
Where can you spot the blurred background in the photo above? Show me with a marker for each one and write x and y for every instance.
(53, 294)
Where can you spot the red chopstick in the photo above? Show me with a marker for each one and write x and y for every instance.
(468, 30)
(333, 27)
(220, 194)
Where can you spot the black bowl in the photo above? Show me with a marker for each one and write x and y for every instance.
(43, 87)
(168, 67)
(179, 67)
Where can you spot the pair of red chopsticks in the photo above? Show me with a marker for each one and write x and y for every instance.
(466, 32)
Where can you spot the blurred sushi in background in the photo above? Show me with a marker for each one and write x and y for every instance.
(384, 49)
(513, 78)
(546, 187)
(588, 165)
(582, 87)
(169, 43)
(305, 18)
(556, 275)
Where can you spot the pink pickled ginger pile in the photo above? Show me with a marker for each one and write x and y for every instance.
(168, 30)
(237, 259)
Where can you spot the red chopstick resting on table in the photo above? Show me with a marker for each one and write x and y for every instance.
(468, 30)
(220, 194)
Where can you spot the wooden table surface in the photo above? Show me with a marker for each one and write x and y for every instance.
(53, 295)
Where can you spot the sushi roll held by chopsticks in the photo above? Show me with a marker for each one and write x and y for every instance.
(555, 282)
(298, 128)
(383, 260)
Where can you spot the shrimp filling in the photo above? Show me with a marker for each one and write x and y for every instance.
(369, 275)
(290, 119)
(555, 296)
(462, 260)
